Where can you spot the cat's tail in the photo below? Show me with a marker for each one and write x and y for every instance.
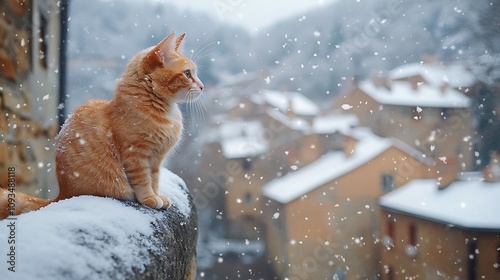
(15, 203)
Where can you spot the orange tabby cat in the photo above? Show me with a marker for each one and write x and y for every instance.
(115, 148)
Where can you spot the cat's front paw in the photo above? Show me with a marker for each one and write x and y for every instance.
(166, 201)
(155, 202)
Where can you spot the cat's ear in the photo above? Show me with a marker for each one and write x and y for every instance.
(167, 47)
(178, 41)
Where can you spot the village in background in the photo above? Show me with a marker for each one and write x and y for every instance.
(382, 182)
(385, 179)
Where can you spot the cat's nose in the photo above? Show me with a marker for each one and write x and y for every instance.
(201, 88)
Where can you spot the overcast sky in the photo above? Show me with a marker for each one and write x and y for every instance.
(251, 14)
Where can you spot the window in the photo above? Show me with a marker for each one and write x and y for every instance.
(387, 183)
(388, 239)
(416, 113)
(472, 260)
(42, 42)
(445, 113)
(497, 264)
(390, 273)
(412, 235)
(248, 197)
(390, 229)
(246, 164)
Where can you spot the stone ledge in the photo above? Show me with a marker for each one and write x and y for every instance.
(90, 237)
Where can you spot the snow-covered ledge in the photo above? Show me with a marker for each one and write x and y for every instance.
(102, 238)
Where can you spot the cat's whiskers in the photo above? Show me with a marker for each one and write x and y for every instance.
(199, 55)
(196, 108)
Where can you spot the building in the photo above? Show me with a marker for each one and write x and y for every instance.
(321, 219)
(239, 166)
(32, 67)
(260, 138)
(447, 233)
(421, 104)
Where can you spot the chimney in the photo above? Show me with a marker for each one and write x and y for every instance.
(446, 170)
(491, 172)
(388, 84)
(290, 112)
(378, 80)
(443, 87)
(414, 82)
(349, 146)
(429, 59)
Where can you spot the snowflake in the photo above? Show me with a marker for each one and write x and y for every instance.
(346, 107)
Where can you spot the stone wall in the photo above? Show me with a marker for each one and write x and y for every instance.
(88, 237)
(29, 92)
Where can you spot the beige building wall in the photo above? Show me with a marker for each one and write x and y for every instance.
(334, 227)
(434, 131)
(442, 252)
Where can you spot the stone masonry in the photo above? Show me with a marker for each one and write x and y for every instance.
(26, 138)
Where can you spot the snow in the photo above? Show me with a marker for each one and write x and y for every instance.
(296, 102)
(402, 93)
(242, 139)
(294, 123)
(471, 204)
(327, 168)
(332, 123)
(238, 128)
(456, 75)
(169, 187)
(243, 147)
(46, 244)
(346, 107)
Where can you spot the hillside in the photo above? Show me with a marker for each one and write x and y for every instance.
(104, 35)
(317, 53)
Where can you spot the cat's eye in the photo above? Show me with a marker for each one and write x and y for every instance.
(187, 73)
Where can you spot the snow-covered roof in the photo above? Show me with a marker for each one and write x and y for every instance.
(243, 147)
(242, 139)
(334, 123)
(238, 128)
(402, 93)
(455, 75)
(324, 170)
(294, 123)
(300, 104)
(469, 204)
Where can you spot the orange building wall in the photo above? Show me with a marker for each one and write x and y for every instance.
(334, 227)
(442, 251)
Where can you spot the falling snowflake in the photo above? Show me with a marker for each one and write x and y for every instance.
(346, 107)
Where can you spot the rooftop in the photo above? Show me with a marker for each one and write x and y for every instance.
(296, 102)
(334, 123)
(471, 204)
(242, 139)
(332, 165)
(402, 93)
(456, 75)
